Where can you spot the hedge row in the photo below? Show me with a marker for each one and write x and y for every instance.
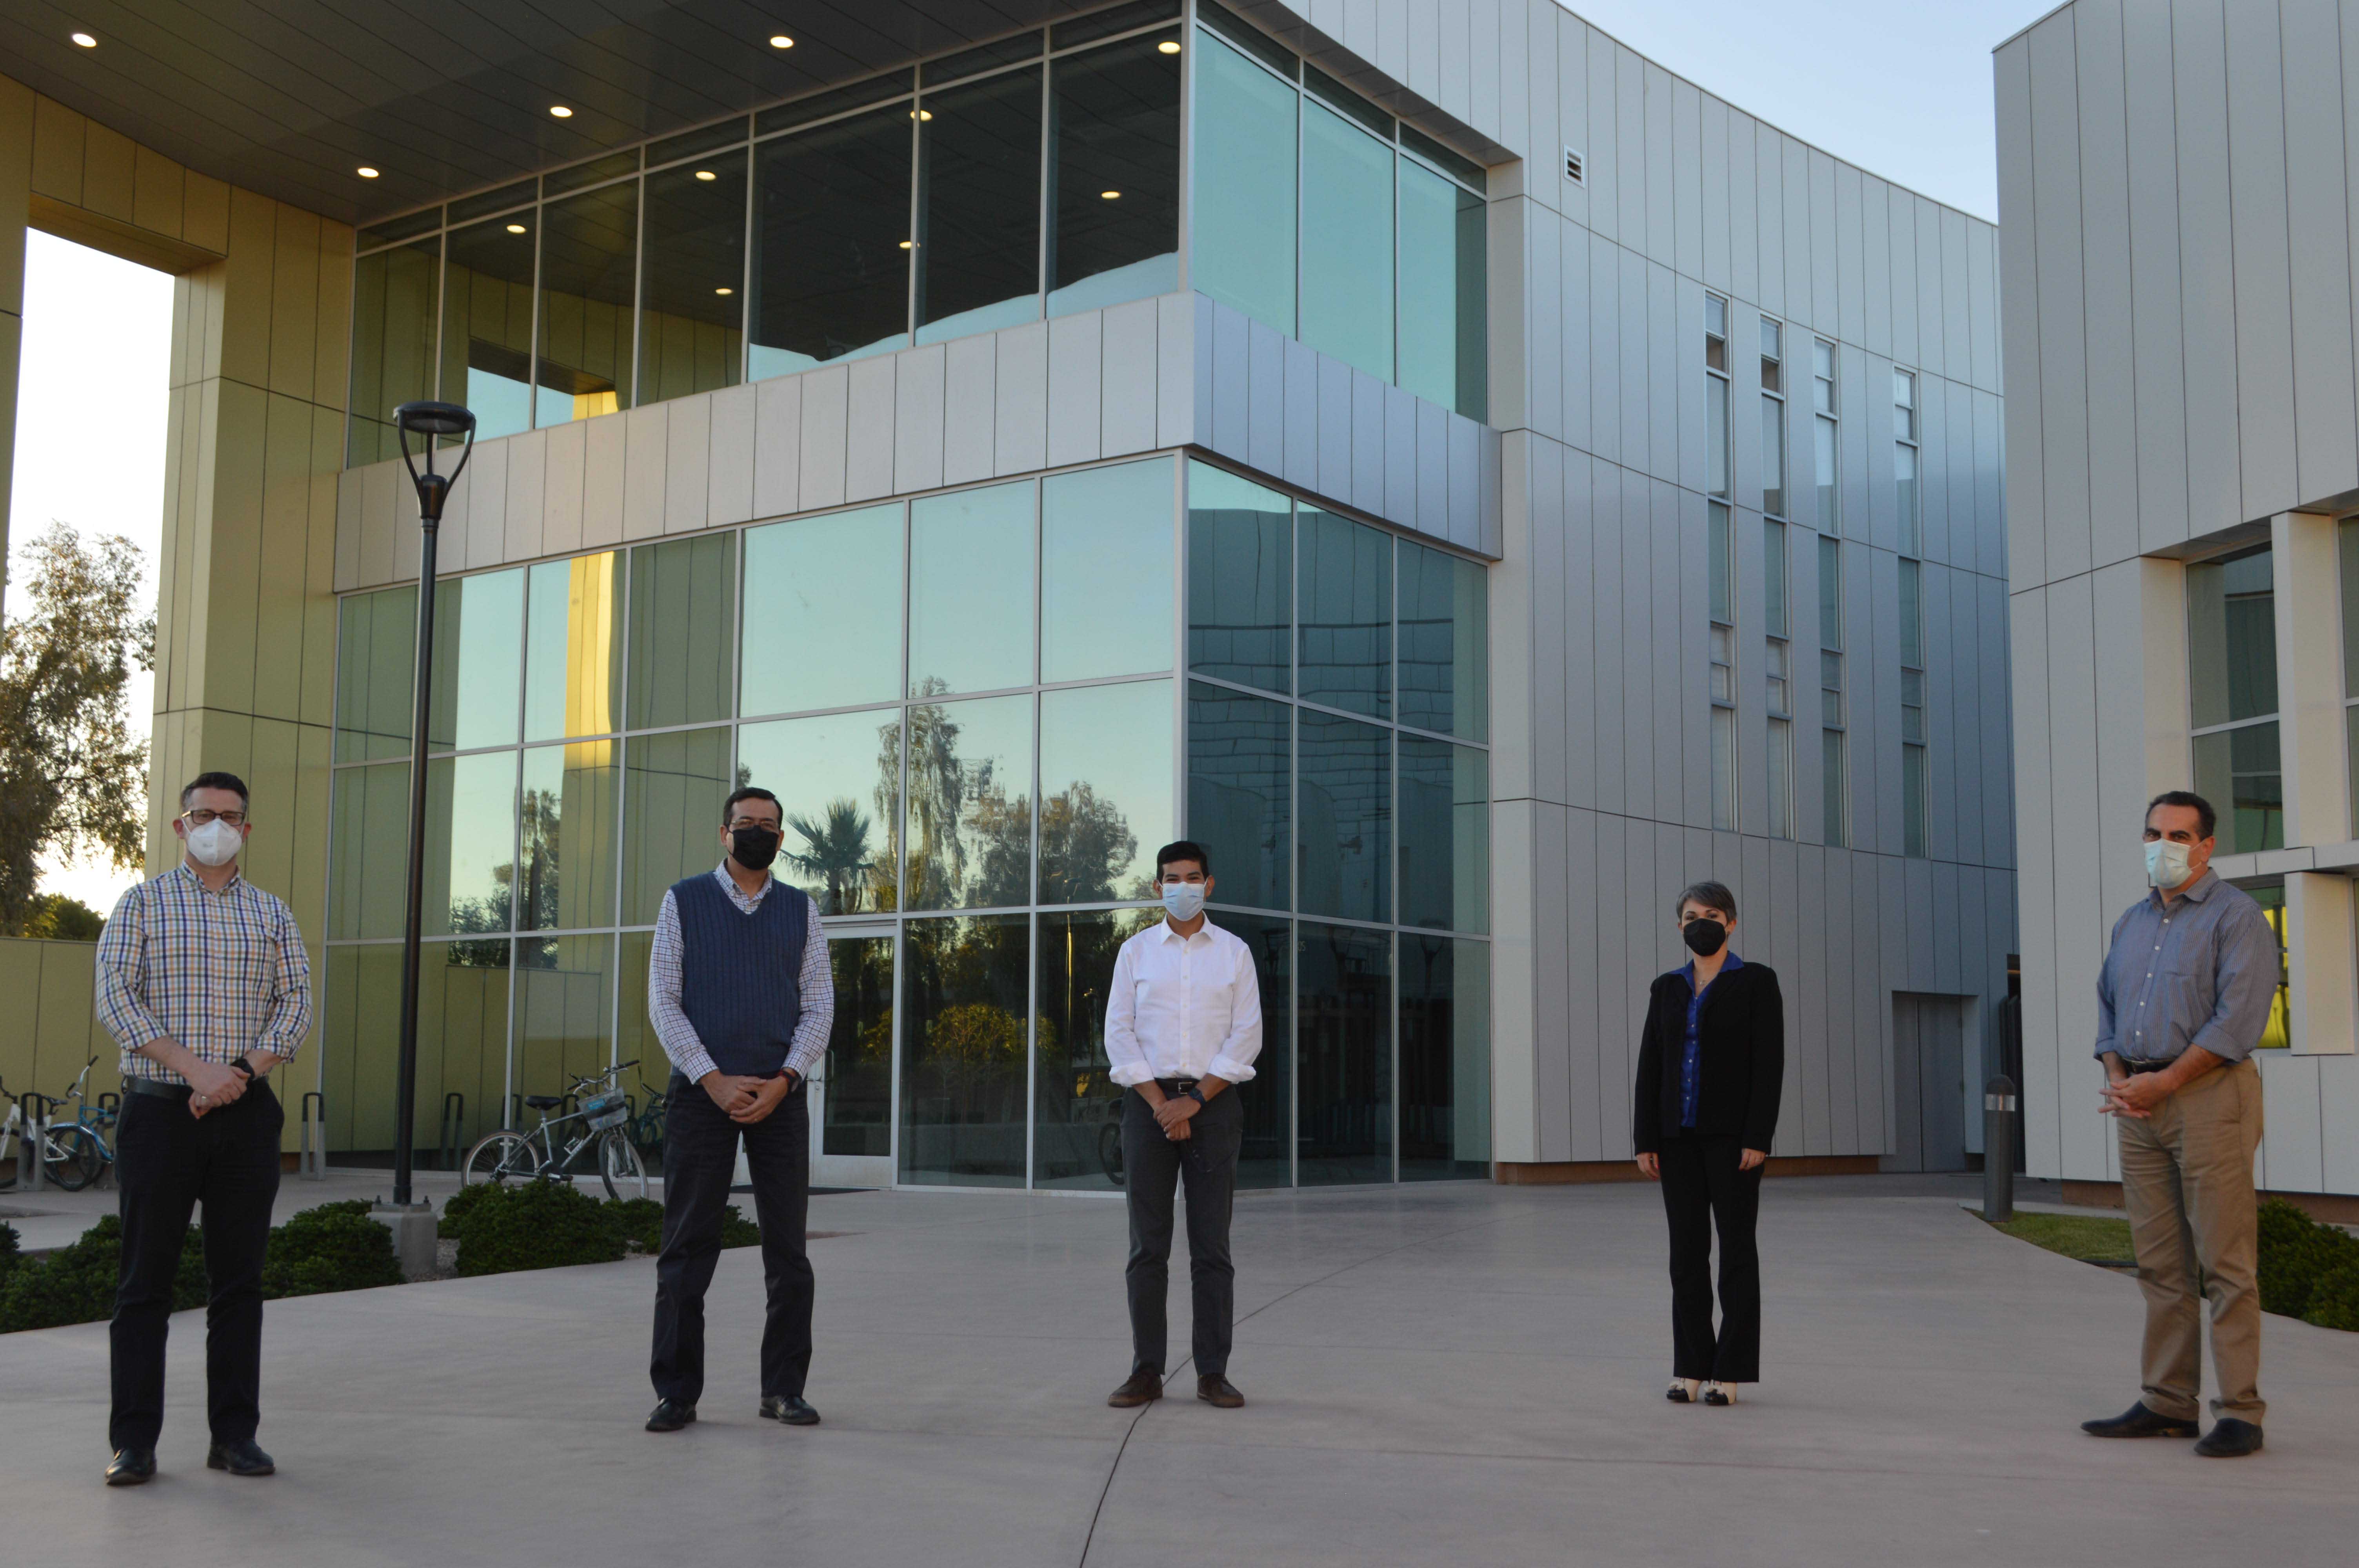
(332, 1248)
(501, 1228)
(2307, 1271)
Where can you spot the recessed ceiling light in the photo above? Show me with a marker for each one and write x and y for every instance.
(85, 40)
(706, 174)
(724, 291)
(906, 245)
(366, 172)
(780, 41)
(515, 228)
(560, 111)
(922, 113)
(1109, 195)
(1169, 45)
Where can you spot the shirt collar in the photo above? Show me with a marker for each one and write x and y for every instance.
(721, 874)
(1163, 929)
(1734, 963)
(2198, 890)
(183, 870)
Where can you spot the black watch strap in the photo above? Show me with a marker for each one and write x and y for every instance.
(240, 1065)
(1195, 1094)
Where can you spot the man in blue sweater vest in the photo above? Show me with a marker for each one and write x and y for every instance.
(740, 993)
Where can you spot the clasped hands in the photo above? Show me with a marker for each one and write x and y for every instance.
(1171, 1113)
(747, 1099)
(2134, 1096)
(212, 1085)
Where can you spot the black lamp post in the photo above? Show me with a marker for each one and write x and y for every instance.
(429, 422)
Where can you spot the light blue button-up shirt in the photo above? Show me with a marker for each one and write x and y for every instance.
(2201, 970)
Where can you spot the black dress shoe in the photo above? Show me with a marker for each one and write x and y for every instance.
(792, 1409)
(131, 1468)
(2139, 1422)
(241, 1458)
(671, 1415)
(1219, 1392)
(1138, 1388)
(2230, 1439)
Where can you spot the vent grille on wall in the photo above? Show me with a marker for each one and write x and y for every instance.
(1572, 165)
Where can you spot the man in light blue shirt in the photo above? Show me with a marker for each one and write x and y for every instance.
(2184, 996)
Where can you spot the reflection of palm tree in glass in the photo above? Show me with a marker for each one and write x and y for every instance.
(542, 815)
(834, 847)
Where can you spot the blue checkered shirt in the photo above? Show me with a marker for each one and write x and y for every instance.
(222, 973)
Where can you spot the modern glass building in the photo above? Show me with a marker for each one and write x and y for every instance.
(1405, 448)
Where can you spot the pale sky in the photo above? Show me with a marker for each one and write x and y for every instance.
(1903, 90)
(90, 441)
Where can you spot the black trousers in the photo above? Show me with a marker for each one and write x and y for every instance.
(700, 1159)
(168, 1162)
(1703, 1188)
(1154, 1167)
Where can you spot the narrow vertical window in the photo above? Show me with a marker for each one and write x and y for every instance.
(1716, 394)
(2347, 541)
(1836, 788)
(1904, 462)
(1773, 418)
(1823, 431)
(1776, 632)
(2232, 669)
(1912, 709)
(1723, 673)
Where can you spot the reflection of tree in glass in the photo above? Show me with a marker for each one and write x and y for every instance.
(971, 838)
(835, 848)
(1085, 844)
(542, 815)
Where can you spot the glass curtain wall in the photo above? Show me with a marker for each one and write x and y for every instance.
(2232, 659)
(997, 803)
(1339, 776)
(1038, 174)
(1319, 213)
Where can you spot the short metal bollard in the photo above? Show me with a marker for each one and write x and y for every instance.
(33, 1145)
(311, 1162)
(1998, 1149)
(454, 1127)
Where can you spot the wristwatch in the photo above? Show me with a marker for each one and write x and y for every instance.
(1193, 1093)
(240, 1065)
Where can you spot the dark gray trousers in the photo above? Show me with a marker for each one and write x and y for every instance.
(1155, 1167)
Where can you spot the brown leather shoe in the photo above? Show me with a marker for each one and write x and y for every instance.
(1219, 1392)
(1138, 1390)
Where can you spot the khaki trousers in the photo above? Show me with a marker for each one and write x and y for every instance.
(2187, 1182)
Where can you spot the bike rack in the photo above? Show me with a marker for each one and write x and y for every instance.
(454, 1127)
(515, 1114)
(311, 1163)
(32, 1143)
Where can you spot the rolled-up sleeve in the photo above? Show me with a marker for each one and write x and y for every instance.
(122, 962)
(2245, 984)
(1235, 1060)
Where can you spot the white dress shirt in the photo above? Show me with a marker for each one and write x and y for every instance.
(672, 1027)
(1183, 1007)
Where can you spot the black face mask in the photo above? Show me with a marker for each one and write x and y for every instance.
(752, 848)
(1703, 936)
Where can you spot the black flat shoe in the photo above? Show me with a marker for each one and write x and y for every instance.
(789, 1408)
(1219, 1392)
(671, 1415)
(1682, 1390)
(2139, 1422)
(242, 1458)
(1138, 1388)
(1720, 1393)
(2230, 1439)
(131, 1468)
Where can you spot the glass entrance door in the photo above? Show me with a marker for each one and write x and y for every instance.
(852, 1113)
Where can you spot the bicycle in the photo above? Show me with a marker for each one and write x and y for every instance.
(647, 1126)
(72, 1154)
(508, 1156)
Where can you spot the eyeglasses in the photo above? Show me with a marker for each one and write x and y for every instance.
(745, 822)
(200, 817)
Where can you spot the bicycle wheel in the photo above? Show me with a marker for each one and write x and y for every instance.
(500, 1157)
(619, 1166)
(1110, 1151)
(71, 1159)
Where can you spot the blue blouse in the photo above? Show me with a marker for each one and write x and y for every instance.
(1691, 1078)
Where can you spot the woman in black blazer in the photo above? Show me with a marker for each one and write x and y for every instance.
(1711, 1063)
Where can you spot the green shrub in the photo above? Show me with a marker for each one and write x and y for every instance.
(534, 1225)
(2334, 1299)
(11, 1253)
(2298, 1255)
(455, 1208)
(736, 1230)
(76, 1284)
(336, 1247)
(639, 1220)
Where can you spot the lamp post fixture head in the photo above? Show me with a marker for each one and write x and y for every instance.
(430, 422)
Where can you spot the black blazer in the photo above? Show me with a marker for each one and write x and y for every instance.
(1741, 1039)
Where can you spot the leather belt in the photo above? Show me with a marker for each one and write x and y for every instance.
(2135, 1069)
(1175, 1085)
(152, 1087)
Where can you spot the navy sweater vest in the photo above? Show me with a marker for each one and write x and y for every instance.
(741, 975)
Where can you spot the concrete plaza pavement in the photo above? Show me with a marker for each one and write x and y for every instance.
(1457, 1374)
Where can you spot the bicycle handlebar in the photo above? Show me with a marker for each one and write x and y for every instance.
(601, 1077)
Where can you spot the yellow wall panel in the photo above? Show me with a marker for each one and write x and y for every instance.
(273, 772)
(247, 288)
(281, 561)
(20, 979)
(333, 339)
(15, 198)
(204, 219)
(233, 544)
(294, 302)
(109, 172)
(63, 1044)
(157, 191)
(57, 150)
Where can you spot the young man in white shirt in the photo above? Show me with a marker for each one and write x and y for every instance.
(1183, 1026)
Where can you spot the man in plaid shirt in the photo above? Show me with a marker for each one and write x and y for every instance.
(204, 981)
